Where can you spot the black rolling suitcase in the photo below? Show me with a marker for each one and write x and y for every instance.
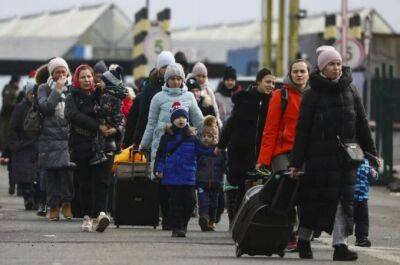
(135, 200)
(262, 228)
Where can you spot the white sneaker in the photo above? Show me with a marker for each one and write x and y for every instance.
(102, 222)
(87, 225)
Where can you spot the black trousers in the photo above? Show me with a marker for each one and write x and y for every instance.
(163, 195)
(59, 186)
(93, 182)
(182, 200)
(361, 219)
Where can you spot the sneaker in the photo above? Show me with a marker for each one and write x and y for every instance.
(211, 225)
(178, 233)
(304, 248)
(203, 223)
(66, 210)
(102, 222)
(98, 159)
(363, 242)
(54, 214)
(87, 225)
(42, 211)
(292, 245)
(342, 253)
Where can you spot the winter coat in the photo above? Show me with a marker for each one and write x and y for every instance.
(241, 132)
(179, 168)
(159, 115)
(365, 173)
(23, 146)
(150, 89)
(329, 109)
(53, 140)
(80, 112)
(223, 99)
(132, 120)
(206, 107)
(210, 171)
(127, 104)
(206, 91)
(280, 128)
(9, 97)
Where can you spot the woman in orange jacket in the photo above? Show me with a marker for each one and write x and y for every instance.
(280, 126)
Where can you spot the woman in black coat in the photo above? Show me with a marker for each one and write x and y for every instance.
(24, 149)
(242, 131)
(331, 108)
(93, 180)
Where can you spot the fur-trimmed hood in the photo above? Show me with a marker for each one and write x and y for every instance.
(42, 74)
(190, 131)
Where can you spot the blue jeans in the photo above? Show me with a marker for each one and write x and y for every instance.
(208, 202)
(361, 219)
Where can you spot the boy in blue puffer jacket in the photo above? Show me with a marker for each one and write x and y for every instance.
(209, 176)
(175, 166)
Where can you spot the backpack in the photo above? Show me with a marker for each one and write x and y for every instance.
(284, 100)
(33, 121)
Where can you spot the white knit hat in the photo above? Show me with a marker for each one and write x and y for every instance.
(326, 56)
(57, 62)
(174, 69)
(200, 69)
(164, 58)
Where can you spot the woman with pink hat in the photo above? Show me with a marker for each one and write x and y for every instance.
(331, 112)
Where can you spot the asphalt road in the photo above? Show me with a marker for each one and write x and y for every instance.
(28, 239)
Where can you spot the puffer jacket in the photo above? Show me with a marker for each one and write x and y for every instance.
(280, 130)
(329, 109)
(179, 168)
(159, 115)
(53, 140)
(210, 171)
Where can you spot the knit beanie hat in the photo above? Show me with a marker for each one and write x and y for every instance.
(174, 69)
(210, 126)
(177, 111)
(164, 58)
(200, 69)
(326, 57)
(100, 67)
(230, 72)
(192, 83)
(57, 62)
(324, 48)
(180, 58)
(112, 77)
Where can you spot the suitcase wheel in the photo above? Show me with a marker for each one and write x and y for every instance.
(239, 252)
(269, 254)
(117, 226)
(154, 227)
(281, 253)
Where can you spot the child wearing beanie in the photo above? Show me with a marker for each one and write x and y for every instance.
(209, 176)
(109, 112)
(175, 167)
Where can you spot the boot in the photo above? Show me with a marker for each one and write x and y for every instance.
(211, 225)
(66, 210)
(54, 214)
(178, 233)
(203, 223)
(342, 253)
(29, 205)
(305, 251)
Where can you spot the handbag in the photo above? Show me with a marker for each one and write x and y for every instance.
(352, 153)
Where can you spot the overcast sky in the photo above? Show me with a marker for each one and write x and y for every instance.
(203, 12)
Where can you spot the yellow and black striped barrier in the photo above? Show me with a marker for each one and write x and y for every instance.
(330, 32)
(355, 29)
(140, 30)
(164, 20)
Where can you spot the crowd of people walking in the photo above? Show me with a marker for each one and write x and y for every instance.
(59, 138)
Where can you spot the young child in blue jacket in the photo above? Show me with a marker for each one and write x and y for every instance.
(175, 166)
(365, 173)
(209, 176)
